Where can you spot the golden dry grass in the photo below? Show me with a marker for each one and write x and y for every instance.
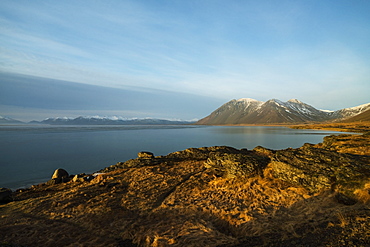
(347, 143)
(360, 127)
(181, 203)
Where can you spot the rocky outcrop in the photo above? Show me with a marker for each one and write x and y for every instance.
(190, 154)
(315, 169)
(318, 169)
(145, 155)
(237, 163)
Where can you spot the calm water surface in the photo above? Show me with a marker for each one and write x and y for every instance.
(30, 154)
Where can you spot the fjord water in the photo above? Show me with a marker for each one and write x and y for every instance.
(30, 154)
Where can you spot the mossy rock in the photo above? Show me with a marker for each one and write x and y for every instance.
(244, 163)
(316, 169)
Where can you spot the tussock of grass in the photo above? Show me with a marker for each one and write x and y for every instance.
(363, 195)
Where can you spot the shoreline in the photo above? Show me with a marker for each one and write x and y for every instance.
(359, 127)
(314, 195)
(302, 126)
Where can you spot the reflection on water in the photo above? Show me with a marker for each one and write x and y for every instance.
(30, 154)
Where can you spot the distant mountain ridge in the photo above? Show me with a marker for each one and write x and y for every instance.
(97, 120)
(251, 111)
(8, 120)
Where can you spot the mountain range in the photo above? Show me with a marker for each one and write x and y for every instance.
(97, 120)
(7, 120)
(251, 111)
(241, 111)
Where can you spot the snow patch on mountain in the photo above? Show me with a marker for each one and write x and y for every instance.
(8, 120)
(251, 111)
(249, 100)
(329, 111)
(5, 118)
(295, 101)
(111, 120)
(57, 118)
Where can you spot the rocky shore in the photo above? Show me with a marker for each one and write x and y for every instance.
(315, 195)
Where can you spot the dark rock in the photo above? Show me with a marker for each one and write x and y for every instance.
(345, 199)
(126, 243)
(317, 169)
(5, 195)
(89, 178)
(54, 181)
(111, 185)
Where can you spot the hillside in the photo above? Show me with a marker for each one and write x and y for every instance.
(274, 111)
(215, 196)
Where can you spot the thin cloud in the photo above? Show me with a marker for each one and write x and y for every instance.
(222, 50)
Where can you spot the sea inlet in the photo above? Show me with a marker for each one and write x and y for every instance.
(30, 153)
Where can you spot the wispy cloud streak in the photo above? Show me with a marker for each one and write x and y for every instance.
(226, 50)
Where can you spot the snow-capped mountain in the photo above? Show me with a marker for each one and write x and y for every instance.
(351, 112)
(98, 120)
(8, 120)
(250, 111)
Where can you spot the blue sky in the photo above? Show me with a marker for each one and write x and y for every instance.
(315, 51)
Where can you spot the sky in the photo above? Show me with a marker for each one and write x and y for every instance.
(179, 59)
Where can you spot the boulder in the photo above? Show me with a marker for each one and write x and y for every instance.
(145, 155)
(60, 173)
(59, 176)
(5, 195)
